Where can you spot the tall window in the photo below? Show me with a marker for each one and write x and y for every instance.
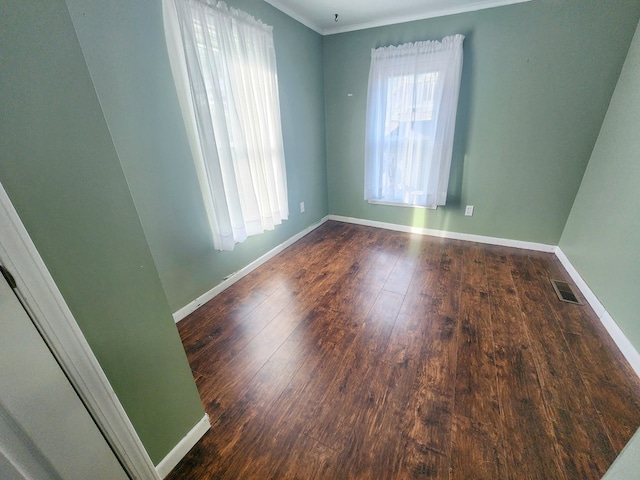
(224, 65)
(411, 114)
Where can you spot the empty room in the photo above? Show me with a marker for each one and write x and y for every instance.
(318, 239)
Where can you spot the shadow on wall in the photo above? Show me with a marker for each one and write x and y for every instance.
(454, 193)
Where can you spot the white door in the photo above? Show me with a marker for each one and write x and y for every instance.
(45, 430)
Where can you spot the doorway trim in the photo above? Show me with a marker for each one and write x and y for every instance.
(56, 324)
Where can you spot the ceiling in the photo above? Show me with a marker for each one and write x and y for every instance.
(319, 15)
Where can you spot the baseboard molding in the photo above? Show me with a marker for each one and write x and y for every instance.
(588, 294)
(618, 336)
(205, 297)
(178, 452)
(505, 242)
(623, 343)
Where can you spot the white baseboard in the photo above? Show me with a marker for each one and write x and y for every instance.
(205, 297)
(591, 298)
(505, 242)
(178, 452)
(618, 336)
(623, 343)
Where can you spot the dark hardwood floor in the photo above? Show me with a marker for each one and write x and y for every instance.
(366, 353)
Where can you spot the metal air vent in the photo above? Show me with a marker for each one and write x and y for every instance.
(564, 292)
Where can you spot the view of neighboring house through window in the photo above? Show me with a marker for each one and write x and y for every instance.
(224, 66)
(411, 110)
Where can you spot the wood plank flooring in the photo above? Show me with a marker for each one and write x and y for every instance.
(365, 353)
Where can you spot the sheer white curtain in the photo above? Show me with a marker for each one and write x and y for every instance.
(224, 65)
(411, 115)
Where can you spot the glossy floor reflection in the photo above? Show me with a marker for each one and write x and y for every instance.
(365, 353)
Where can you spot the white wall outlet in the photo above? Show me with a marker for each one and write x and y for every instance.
(468, 212)
(301, 207)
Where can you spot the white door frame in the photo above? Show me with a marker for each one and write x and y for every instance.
(57, 325)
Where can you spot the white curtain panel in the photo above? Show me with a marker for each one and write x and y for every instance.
(411, 114)
(224, 66)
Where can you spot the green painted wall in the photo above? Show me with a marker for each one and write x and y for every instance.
(62, 173)
(537, 79)
(124, 47)
(602, 236)
(95, 158)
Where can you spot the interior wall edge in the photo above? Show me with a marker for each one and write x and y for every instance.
(59, 328)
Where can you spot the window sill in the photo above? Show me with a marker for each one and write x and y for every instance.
(391, 204)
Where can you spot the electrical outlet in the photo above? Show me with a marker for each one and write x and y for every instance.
(301, 207)
(468, 212)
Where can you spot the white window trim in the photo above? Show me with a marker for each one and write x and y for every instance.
(393, 204)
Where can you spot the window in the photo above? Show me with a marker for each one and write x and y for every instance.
(224, 65)
(411, 110)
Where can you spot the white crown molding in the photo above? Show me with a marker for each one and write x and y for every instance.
(178, 452)
(297, 17)
(423, 15)
(391, 20)
(63, 336)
